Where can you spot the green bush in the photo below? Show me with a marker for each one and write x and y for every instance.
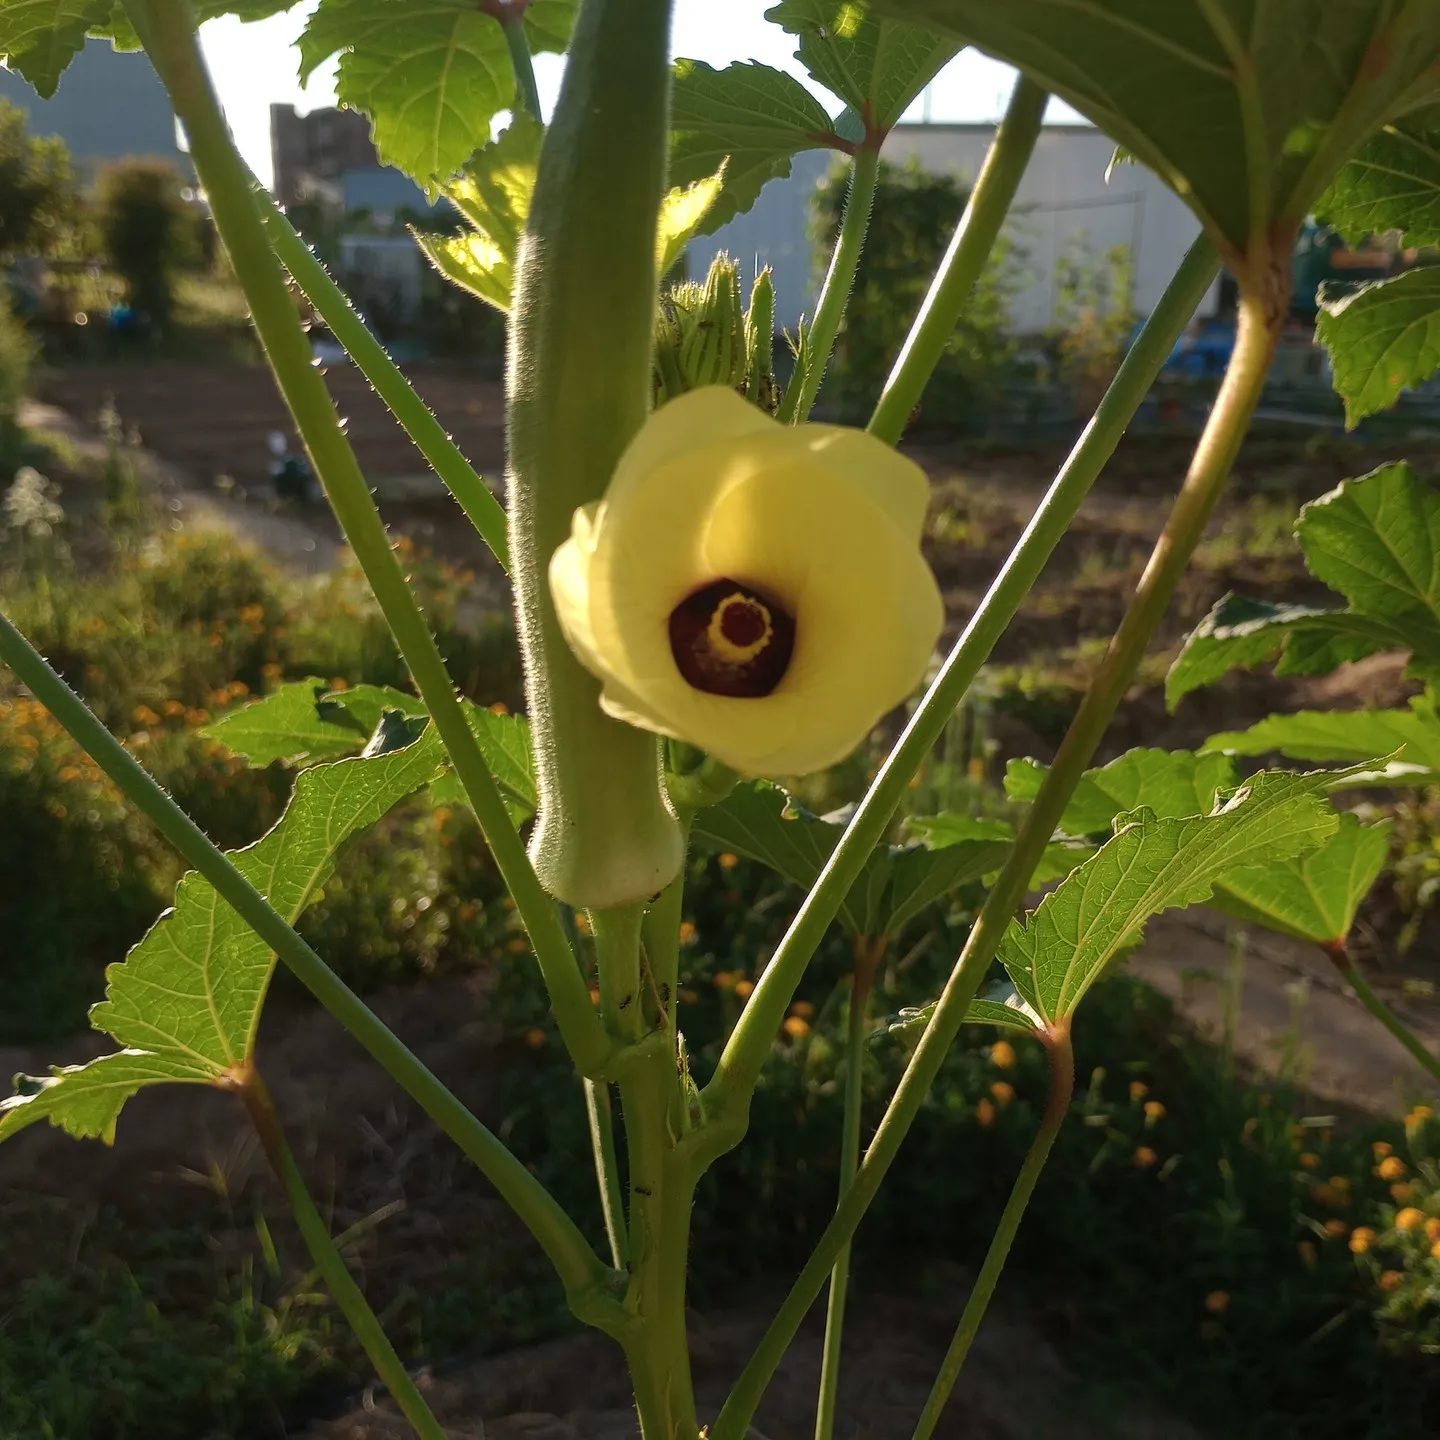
(147, 234)
(913, 220)
(37, 189)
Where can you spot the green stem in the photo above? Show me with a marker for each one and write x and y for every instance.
(607, 1169)
(973, 243)
(661, 938)
(727, 1097)
(525, 88)
(578, 1265)
(814, 358)
(168, 32)
(1062, 1089)
(1214, 456)
(331, 1264)
(581, 341)
(1381, 1011)
(867, 958)
(333, 306)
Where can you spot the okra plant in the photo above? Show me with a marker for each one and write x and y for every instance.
(715, 594)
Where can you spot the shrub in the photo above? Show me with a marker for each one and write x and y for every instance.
(37, 190)
(913, 220)
(146, 233)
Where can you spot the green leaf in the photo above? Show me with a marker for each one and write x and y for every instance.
(1061, 948)
(122, 33)
(1171, 783)
(39, 38)
(747, 117)
(1392, 184)
(1347, 735)
(1383, 339)
(430, 74)
(186, 1002)
(1003, 1006)
(297, 724)
(1313, 897)
(949, 828)
(921, 875)
(685, 213)
(1240, 633)
(367, 704)
(1377, 541)
(506, 744)
(1247, 108)
(876, 65)
(549, 24)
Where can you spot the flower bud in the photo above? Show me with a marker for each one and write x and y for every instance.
(700, 334)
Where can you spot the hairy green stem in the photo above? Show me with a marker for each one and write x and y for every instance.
(1210, 468)
(579, 376)
(727, 1097)
(868, 953)
(1062, 1088)
(969, 251)
(331, 1264)
(333, 306)
(519, 44)
(814, 357)
(607, 1169)
(579, 1267)
(1355, 978)
(168, 32)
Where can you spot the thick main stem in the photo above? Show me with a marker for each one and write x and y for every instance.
(255, 1096)
(868, 953)
(970, 250)
(333, 306)
(581, 339)
(584, 1275)
(1214, 457)
(1062, 1089)
(814, 358)
(727, 1097)
(168, 32)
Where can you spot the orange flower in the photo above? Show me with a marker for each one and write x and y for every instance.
(1410, 1219)
(1217, 1302)
(1432, 1229)
(1003, 1092)
(1309, 1161)
(1390, 1168)
(687, 932)
(1382, 1148)
(729, 861)
(1308, 1253)
(1336, 1229)
(1361, 1239)
(795, 1027)
(1138, 1089)
(985, 1114)
(536, 1038)
(1002, 1055)
(743, 988)
(1435, 1251)
(1145, 1157)
(1391, 1281)
(804, 1009)
(1154, 1111)
(1403, 1192)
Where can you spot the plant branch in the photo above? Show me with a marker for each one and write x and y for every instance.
(1214, 457)
(1355, 978)
(1061, 1054)
(577, 1264)
(727, 1097)
(969, 251)
(868, 954)
(607, 1169)
(814, 357)
(525, 89)
(168, 32)
(333, 306)
(255, 1096)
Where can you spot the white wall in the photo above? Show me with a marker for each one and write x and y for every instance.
(1064, 192)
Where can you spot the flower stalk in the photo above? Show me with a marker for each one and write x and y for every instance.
(1354, 977)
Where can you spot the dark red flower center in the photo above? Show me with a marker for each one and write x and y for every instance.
(730, 639)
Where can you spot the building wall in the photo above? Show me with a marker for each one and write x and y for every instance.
(110, 104)
(1064, 193)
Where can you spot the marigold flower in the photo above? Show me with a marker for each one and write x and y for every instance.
(1432, 1228)
(1310, 1161)
(985, 1113)
(1361, 1239)
(752, 588)
(1138, 1089)
(536, 1039)
(1336, 1229)
(687, 932)
(1410, 1219)
(1308, 1253)
(1003, 1091)
(1217, 1302)
(1002, 1055)
(1402, 1192)
(1435, 1251)
(1382, 1148)
(1145, 1157)
(1418, 1116)
(1391, 1281)
(729, 861)
(1154, 1111)
(804, 1009)
(795, 1027)
(1391, 1168)
(743, 988)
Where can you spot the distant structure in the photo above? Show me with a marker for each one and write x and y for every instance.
(1069, 191)
(110, 104)
(327, 158)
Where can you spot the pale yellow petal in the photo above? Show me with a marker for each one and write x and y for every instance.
(893, 482)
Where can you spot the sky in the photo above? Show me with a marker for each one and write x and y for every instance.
(254, 67)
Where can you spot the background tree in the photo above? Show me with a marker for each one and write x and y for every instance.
(147, 233)
(37, 187)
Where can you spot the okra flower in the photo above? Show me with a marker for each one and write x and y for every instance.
(754, 589)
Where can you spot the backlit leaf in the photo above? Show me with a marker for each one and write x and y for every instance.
(1314, 896)
(874, 64)
(1061, 948)
(294, 724)
(186, 1002)
(430, 74)
(1248, 108)
(1392, 184)
(39, 38)
(748, 117)
(1383, 339)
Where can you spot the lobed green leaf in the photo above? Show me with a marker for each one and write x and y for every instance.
(296, 724)
(1392, 184)
(39, 38)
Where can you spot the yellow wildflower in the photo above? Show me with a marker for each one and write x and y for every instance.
(753, 588)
